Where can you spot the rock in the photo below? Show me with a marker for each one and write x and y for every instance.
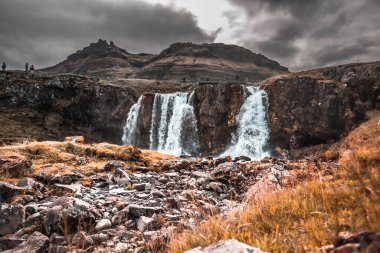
(120, 216)
(242, 158)
(267, 184)
(36, 243)
(30, 183)
(83, 241)
(99, 238)
(348, 248)
(230, 246)
(226, 171)
(34, 219)
(67, 214)
(7, 191)
(103, 224)
(11, 218)
(75, 139)
(216, 186)
(138, 211)
(9, 243)
(15, 166)
(222, 160)
(144, 223)
(113, 165)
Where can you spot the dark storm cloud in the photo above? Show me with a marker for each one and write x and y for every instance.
(303, 34)
(44, 32)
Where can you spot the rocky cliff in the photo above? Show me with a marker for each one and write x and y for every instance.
(54, 107)
(322, 105)
(180, 61)
(305, 108)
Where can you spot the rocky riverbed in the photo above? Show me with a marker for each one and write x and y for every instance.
(61, 196)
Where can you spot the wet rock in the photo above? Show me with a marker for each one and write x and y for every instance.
(11, 218)
(103, 224)
(7, 191)
(230, 246)
(36, 243)
(242, 159)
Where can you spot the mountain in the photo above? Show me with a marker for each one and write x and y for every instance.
(191, 61)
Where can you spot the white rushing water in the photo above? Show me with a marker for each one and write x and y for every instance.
(252, 133)
(173, 127)
(130, 125)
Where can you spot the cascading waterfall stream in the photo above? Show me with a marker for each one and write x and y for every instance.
(173, 127)
(252, 133)
(130, 126)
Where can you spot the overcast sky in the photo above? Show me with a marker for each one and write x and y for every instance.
(300, 34)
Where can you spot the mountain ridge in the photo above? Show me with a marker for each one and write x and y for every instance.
(180, 61)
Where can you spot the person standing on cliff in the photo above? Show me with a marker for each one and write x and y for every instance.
(26, 70)
(4, 66)
(32, 70)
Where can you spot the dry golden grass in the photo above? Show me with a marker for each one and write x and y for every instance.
(313, 213)
(62, 157)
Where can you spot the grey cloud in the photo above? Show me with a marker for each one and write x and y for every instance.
(310, 33)
(46, 31)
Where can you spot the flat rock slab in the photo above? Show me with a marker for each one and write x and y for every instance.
(230, 246)
(11, 218)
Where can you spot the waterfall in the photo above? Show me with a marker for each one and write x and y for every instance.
(173, 128)
(130, 126)
(252, 133)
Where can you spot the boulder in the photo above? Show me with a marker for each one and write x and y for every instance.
(227, 171)
(144, 223)
(16, 166)
(11, 218)
(83, 241)
(9, 243)
(36, 243)
(103, 224)
(269, 183)
(230, 246)
(138, 211)
(7, 191)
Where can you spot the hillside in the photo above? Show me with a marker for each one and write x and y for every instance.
(181, 60)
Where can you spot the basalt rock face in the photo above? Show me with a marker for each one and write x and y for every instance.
(216, 108)
(322, 105)
(54, 107)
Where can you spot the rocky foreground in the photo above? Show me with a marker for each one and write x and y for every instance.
(61, 196)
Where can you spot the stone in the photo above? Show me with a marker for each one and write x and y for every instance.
(36, 243)
(75, 139)
(144, 223)
(11, 218)
(15, 166)
(222, 160)
(103, 224)
(9, 243)
(230, 246)
(30, 183)
(226, 171)
(113, 165)
(216, 186)
(7, 191)
(138, 211)
(83, 241)
(267, 184)
(99, 238)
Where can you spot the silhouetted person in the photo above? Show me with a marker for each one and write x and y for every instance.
(4, 66)
(26, 70)
(237, 78)
(31, 70)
